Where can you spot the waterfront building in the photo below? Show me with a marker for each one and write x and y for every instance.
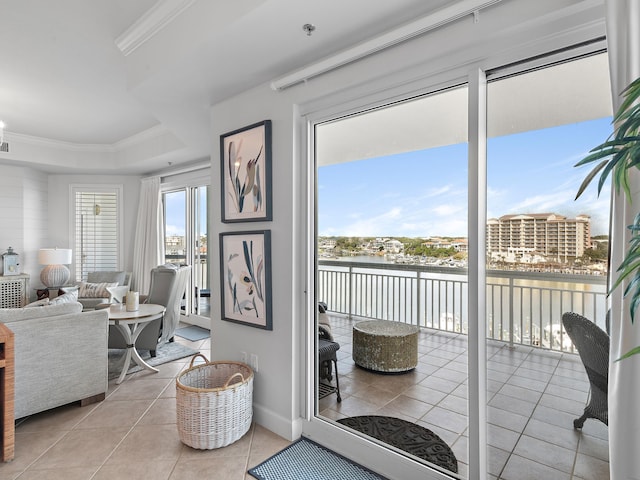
(549, 235)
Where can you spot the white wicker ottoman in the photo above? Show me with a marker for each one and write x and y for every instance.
(385, 346)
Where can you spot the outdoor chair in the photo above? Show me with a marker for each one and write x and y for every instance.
(593, 346)
(327, 363)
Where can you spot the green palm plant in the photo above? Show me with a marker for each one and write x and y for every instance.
(616, 157)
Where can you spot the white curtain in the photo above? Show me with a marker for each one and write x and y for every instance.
(149, 241)
(623, 39)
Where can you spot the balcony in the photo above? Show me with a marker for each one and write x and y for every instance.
(536, 382)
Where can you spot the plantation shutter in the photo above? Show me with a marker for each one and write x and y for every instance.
(96, 232)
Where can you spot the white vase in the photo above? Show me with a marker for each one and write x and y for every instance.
(133, 301)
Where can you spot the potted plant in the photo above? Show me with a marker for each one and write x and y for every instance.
(619, 154)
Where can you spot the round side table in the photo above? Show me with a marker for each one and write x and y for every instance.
(385, 346)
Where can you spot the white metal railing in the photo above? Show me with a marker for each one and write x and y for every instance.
(522, 307)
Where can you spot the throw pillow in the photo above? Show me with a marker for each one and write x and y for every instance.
(71, 297)
(95, 290)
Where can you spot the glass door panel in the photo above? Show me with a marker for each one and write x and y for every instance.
(186, 242)
(546, 255)
(391, 253)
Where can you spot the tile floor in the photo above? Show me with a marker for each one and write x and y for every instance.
(131, 434)
(533, 397)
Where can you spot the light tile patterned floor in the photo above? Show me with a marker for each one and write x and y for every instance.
(533, 396)
(132, 434)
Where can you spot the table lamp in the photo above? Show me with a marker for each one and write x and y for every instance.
(55, 274)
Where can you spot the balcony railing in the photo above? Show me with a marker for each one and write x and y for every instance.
(521, 307)
(200, 269)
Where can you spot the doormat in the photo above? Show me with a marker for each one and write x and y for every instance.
(409, 437)
(193, 333)
(166, 353)
(310, 461)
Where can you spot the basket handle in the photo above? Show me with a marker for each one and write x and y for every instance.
(193, 359)
(232, 377)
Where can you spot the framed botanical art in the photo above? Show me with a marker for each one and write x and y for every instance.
(245, 278)
(245, 158)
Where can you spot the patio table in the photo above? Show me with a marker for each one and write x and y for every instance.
(385, 346)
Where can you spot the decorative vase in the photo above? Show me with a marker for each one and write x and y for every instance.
(133, 301)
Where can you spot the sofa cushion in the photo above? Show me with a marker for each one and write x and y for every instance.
(95, 290)
(15, 314)
(38, 303)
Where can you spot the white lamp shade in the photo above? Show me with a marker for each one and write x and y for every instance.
(54, 256)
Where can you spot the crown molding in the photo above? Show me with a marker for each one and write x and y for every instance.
(154, 132)
(58, 144)
(154, 20)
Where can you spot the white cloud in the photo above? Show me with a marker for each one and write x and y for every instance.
(543, 203)
(174, 230)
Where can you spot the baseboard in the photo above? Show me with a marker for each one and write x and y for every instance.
(286, 428)
(200, 321)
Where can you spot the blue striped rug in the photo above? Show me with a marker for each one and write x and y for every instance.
(305, 459)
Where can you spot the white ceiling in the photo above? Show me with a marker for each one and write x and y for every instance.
(65, 81)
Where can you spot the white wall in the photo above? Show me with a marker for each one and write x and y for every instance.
(60, 209)
(23, 216)
(34, 213)
(507, 32)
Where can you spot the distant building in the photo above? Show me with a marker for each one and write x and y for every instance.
(174, 245)
(458, 244)
(393, 246)
(547, 235)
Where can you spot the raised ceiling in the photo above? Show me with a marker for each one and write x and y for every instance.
(97, 81)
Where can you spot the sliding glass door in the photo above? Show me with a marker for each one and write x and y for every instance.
(186, 242)
(453, 213)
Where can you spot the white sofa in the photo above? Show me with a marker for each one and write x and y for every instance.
(60, 356)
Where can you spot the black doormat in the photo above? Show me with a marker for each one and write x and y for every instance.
(305, 459)
(409, 437)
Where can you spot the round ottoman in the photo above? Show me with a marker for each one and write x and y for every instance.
(385, 346)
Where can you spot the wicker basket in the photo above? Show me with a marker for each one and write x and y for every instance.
(214, 403)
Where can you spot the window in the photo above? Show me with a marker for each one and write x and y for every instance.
(96, 226)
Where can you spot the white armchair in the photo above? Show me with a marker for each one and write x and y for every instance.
(168, 285)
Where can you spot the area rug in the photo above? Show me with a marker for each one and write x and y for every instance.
(305, 459)
(193, 333)
(409, 437)
(166, 353)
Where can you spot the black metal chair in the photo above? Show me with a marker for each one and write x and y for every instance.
(327, 364)
(593, 346)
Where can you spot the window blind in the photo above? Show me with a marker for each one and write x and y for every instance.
(96, 232)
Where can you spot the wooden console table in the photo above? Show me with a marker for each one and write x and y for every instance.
(7, 422)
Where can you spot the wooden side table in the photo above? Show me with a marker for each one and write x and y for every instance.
(7, 393)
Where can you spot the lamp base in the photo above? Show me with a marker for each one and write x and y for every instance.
(55, 275)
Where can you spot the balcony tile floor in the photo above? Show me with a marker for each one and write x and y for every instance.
(533, 396)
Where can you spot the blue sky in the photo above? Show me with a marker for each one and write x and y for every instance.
(175, 213)
(424, 193)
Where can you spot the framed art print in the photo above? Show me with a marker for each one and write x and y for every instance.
(245, 157)
(245, 278)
